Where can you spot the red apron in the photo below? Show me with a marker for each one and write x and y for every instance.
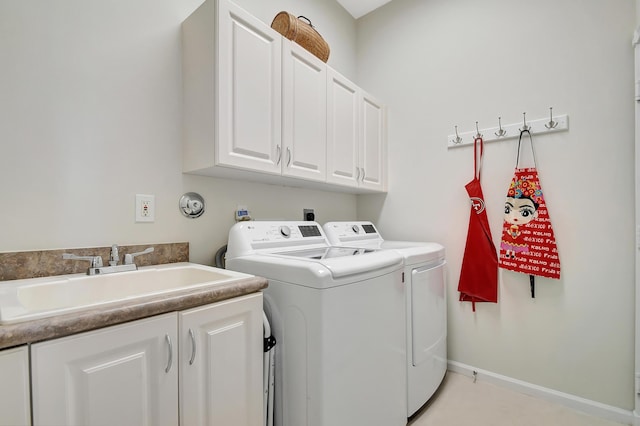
(528, 244)
(479, 274)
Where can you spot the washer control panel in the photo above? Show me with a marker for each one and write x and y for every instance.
(276, 232)
(344, 232)
(285, 231)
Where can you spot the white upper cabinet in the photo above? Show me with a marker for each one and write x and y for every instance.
(304, 113)
(256, 108)
(356, 136)
(373, 143)
(232, 90)
(343, 132)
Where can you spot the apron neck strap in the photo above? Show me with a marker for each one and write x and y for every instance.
(522, 132)
(477, 157)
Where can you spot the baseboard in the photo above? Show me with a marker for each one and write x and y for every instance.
(584, 405)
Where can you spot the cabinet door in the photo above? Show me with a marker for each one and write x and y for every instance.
(15, 406)
(343, 133)
(373, 144)
(121, 375)
(304, 113)
(221, 363)
(248, 91)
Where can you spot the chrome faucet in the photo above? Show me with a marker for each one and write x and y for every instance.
(113, 258)
(97, 268)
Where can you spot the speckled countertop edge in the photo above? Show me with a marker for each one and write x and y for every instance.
(98, 317)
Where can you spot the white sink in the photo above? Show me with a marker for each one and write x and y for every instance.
(29, 299)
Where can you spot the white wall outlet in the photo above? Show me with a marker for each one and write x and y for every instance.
(145, 208)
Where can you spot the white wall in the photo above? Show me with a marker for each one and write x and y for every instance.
(442, 63)
(637, 206)
(90, 115)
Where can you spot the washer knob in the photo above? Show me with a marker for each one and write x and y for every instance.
(355, 229)
(285, 231)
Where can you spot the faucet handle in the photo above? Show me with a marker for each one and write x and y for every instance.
(96, 261)
(128, 258)
(114, 257)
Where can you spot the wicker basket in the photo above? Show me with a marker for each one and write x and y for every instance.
(302, 32)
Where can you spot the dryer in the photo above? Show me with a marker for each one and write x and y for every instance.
(337, 314)
(426, 304)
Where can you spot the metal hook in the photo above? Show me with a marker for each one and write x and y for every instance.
(478, 134)
(458, 139)
(524, 127)
(551, 124)
(501, 132)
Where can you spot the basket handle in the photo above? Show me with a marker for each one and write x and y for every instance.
(306, 19)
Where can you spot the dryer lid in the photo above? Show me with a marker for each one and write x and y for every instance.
(327, 252)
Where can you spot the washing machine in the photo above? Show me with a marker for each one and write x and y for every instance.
(337, 314)
(426, 304)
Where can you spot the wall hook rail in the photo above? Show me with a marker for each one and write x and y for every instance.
(457, 140)
(478, 134)
(541, 126)
(524, 127)
(501, 132)
(551, 124)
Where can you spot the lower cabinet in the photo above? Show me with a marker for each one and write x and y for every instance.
(221, 363)
(120, 375)
(14, 391)
(197, 367)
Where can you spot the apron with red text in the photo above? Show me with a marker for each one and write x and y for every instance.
(528, 244)
(479, 274)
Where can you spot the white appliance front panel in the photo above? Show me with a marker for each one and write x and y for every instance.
(426, 362)
(428, 311)
(427, 333)
(341, 353)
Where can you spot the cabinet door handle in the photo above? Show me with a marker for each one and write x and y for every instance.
(278, 154)
(357, 174)
(288, 156)
(363, 175)
(170, 346)
(193, 347)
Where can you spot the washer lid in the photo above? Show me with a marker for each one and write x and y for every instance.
(318, 273)
(340, 262)
(415, 252)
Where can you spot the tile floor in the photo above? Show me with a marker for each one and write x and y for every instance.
(460, 402)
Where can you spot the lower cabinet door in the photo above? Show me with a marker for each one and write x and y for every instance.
(221, 363)
(120, 375)
(15, 408)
